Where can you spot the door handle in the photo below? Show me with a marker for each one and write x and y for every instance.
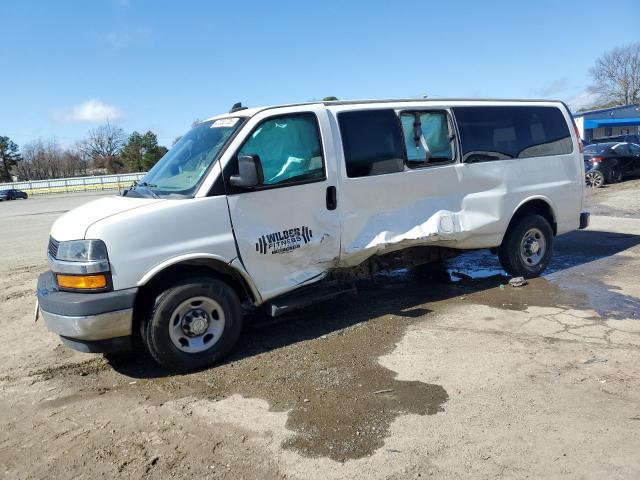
(332, 199)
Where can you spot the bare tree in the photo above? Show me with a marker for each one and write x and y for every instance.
(34, 165)
(103, 145)
(616, 75)
(44, 159)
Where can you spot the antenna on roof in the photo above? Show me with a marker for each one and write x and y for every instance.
(237, 107)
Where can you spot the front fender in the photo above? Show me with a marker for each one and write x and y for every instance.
(224, 266)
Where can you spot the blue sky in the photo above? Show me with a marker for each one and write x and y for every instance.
(68, 65)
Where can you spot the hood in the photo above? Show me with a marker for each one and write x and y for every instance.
(73, 225)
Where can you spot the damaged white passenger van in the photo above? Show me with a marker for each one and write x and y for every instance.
(281, 206)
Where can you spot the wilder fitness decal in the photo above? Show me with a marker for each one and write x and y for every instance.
(284, 241)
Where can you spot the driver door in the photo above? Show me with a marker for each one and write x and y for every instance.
(287, 229)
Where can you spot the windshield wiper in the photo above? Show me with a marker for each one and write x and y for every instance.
(147, 186)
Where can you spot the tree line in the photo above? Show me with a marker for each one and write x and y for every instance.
(106, 149)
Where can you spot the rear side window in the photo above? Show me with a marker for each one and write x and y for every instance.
(427, 138)
(372, 142)
(500, 133)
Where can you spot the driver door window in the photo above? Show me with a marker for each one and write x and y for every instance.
(289, 148)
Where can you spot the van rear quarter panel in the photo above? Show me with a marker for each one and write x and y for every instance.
(557, 180)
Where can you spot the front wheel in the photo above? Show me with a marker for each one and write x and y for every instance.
(193, 324)
(526, 247)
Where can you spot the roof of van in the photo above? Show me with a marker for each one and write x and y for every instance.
(250, 112)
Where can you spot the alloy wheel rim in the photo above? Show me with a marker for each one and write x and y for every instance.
(594, 179)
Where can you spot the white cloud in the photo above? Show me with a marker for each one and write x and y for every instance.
(91, 111)
(582, 100)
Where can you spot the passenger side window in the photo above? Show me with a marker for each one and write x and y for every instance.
(289, 148)
(427, 138)
(635, 149)
(372, 142)
(500, 133)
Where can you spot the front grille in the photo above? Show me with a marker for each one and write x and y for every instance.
(53, 247)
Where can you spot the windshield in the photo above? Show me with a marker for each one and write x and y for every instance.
(180, 171)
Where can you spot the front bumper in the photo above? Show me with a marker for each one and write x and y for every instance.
(90, 327)
(584, 220)
(85, 316)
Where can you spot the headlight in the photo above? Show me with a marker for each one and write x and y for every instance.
(80, 265)
(82, 251)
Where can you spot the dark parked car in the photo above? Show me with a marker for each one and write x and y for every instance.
(610, 162)
(627, 137)
(12, 194)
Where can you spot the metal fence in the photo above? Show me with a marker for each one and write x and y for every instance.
(75, 184)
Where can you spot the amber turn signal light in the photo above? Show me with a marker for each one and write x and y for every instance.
(82, 282)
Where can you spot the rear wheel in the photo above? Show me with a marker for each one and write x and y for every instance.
(193, 324)
(616, 175)
(526, 248)
(594, 179)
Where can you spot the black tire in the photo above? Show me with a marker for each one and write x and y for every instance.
(513, 254)
(615, 175)
(156, 329)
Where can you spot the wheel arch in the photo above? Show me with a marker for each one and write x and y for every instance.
(166, 273)
(537, 205)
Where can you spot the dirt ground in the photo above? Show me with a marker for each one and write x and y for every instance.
(465, 377)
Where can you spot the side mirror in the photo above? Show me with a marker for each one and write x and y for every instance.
(249, 172)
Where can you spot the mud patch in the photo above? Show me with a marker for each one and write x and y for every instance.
(17, 295)
(92, 365)
(321, 367)
(63, 401)
(356, 423)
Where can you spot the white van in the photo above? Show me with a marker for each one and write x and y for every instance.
(281, 206)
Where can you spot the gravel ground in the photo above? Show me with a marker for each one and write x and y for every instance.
(411, 378)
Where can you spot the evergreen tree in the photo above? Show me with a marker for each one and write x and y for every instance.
(141, 152)
(9, 157)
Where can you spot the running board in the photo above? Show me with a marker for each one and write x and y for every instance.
(306, 297)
